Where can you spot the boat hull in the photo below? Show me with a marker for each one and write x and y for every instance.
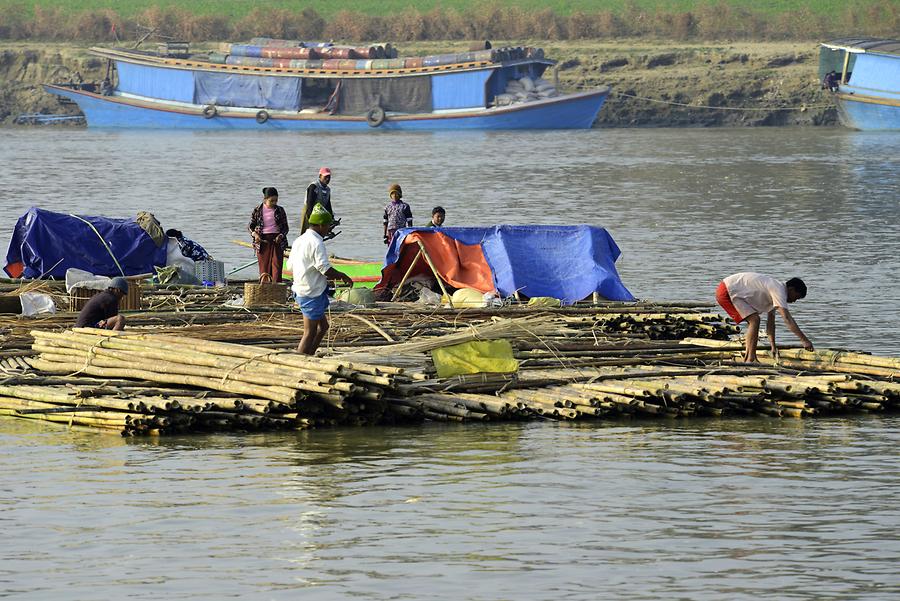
(572, 111)
(869, 112)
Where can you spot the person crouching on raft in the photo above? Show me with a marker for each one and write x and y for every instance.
(309, 263)
(269, 227)
(102, 310)
(745, 296)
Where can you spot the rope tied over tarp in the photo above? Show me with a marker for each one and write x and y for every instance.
(102, 240)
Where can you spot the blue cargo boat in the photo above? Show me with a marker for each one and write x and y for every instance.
(864, 74)
(284, 85)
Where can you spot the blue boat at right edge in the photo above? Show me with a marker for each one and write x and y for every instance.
(864, 75)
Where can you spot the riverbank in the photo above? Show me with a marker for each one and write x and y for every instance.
(655, 84)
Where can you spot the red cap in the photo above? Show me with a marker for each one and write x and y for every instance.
(324, 171)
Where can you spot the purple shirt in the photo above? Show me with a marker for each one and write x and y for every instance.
(397, 214)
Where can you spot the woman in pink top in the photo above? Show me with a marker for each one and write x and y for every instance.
(746, 296)
(269, 228)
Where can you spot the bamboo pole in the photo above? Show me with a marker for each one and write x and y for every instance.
(396, 294)
(434, 270)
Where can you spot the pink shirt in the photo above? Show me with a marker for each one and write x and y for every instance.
(268, 218)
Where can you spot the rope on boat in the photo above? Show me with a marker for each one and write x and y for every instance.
(105, 245)
(801, 108)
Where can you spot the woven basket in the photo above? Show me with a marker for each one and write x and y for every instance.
(264, 294)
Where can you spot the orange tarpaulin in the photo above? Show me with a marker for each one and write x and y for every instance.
(460, 265)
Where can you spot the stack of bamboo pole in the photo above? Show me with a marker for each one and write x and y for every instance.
(184, 371)
(279, 385)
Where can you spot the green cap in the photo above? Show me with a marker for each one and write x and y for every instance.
(320, 215)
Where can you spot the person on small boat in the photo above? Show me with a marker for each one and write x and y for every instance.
(269, 227)
(309, 263)
(317, 192)
(397, 213)
(102, 310)
(188, 247)
(746, 296)
(438, 214)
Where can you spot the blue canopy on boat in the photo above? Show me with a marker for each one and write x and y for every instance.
(566, 262)
(46, 244)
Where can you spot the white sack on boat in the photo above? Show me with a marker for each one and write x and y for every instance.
(36, 303)
(79, 278)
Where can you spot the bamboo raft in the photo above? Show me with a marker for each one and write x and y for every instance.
(195, 365)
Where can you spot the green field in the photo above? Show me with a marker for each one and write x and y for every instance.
(327, 8)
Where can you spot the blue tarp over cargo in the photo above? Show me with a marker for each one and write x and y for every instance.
(46, 244)
(566, 262)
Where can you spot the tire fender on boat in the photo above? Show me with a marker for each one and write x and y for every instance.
(262, 117)
(375, 116)
(210, 111)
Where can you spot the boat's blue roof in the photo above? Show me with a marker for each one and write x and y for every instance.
(875, 45)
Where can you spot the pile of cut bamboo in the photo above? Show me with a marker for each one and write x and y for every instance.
(186, 372)
(284, 387)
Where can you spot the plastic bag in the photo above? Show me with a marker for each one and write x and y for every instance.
(544, 301)
(79, 278)
(467, 297)
(363, 297)
(36, 303)
(478, 356)
(429, 297)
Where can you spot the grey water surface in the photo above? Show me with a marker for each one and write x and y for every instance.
(694, 509)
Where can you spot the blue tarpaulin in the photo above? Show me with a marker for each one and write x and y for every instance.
(156, 82)
(46, 244)
(257, 91)
(566, 262)
(459, 90)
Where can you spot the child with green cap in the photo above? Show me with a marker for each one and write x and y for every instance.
(312, 270)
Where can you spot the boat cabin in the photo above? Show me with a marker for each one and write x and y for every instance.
(840, 57)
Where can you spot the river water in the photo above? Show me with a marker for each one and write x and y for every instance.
(699, 509)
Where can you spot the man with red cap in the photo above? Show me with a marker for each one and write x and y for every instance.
(317, 192)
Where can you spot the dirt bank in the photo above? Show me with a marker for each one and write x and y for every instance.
(722, 84)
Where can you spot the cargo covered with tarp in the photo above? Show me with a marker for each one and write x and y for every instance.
(570, 263)
(46, 244)
(399, 94)
(257, 91)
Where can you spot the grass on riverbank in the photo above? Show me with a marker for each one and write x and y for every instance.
(241, 8)
(109, 21)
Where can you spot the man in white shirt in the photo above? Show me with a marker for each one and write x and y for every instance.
(309, 263)
(747, 295)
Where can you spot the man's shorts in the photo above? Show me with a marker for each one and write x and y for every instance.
(724, 300)
(313, 307)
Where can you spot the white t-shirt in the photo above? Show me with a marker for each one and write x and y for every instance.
(309, 262)
(755, 293)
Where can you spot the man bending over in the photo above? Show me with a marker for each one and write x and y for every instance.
(747, 295)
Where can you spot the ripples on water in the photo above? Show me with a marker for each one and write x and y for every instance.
(699, 509)
(688, 509)
(687, 207)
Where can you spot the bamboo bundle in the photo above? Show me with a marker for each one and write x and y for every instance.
(183, 370)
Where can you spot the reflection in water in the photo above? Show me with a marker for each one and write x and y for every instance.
(643, 509)
(693, 508)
